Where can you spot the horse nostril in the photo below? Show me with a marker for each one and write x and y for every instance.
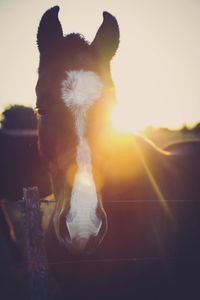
(79, 244)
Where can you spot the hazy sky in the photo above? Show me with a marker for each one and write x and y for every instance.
(156, 69)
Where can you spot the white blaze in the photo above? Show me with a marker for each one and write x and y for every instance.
(79, 92)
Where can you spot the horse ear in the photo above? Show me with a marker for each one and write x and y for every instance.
(106, 40)
(50, 30)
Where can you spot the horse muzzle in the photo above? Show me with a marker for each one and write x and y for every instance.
(84, 237)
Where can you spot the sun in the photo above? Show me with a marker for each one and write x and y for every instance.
(125, 120)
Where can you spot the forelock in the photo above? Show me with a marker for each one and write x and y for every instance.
(76, 40)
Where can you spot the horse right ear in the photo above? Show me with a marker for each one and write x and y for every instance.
(50, 32)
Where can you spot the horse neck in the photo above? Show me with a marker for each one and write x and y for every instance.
(133, 149)
(133, 162)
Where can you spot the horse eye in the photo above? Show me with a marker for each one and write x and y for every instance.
(41, 111)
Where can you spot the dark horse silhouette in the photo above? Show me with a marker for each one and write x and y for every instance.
(20, 163)
(98, 174)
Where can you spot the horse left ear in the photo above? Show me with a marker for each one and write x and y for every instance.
(50, 32)
(106, 40)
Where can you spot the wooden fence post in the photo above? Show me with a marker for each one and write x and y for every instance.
(34, 245)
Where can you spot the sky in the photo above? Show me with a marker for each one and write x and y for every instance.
(156, 69)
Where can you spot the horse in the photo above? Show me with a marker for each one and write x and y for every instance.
(88, 161)
(117, 195)
(20, 163)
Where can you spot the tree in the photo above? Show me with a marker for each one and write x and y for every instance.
(18, 117)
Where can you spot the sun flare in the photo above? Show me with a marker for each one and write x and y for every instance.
(125, 120)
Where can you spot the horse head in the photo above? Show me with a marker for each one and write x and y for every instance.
(75, 94)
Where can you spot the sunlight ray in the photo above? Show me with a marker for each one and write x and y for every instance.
(155, 185)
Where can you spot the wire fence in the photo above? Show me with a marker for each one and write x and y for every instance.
(36, 263)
